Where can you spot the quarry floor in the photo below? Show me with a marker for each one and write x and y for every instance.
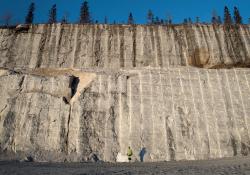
(227, 166)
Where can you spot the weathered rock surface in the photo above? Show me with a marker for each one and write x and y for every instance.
(122, 46)
(87, 92)
(175, 113)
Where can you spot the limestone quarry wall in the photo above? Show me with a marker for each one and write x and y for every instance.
(123, 46)
(175, 113)
(87, 92)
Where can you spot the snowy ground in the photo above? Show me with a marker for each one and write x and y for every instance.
(209, 167)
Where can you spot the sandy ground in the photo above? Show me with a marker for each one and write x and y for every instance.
(229, 166)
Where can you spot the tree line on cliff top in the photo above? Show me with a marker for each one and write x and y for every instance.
(85, 17)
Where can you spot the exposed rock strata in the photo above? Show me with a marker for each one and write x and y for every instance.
(122, 46)
(175, 113)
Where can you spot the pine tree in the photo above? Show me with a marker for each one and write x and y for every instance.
(227, 16)
(150, 17)
(52, 15)
(130, 19)
(30, 16)
(237, 17)
(84, 13)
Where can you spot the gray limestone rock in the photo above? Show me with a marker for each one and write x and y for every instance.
(87, 92)
(175, 114)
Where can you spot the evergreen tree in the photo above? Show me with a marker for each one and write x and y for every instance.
(85, 14)
(52, 15)
(30, 16)
(227, 16)
(150, 17)
(237, 17)
(130, 19)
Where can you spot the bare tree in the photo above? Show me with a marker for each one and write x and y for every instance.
(7, 18)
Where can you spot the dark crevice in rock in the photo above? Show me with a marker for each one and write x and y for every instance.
(134, 47)
(74, 81)
(65, 100)
(159, 49)
(178, 38)
(64, 133)
(216, 29)
(245, 149)
(121, 34)
(97, 48)
(234, 145)
(3, 109)
(21, 82)
(8, 127)
(35, 126)
(171, 141)
(41, 49)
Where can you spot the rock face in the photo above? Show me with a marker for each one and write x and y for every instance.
(121, 46)
(86, 93)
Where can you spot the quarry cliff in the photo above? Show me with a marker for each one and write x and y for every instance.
(87, 92)
(125, 46)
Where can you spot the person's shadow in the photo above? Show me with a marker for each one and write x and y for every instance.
(142, 153)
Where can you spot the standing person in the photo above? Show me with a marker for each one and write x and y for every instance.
(129, 154)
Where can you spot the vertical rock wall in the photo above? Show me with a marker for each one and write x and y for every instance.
(87, 92)
(122, 46)
(175, 114)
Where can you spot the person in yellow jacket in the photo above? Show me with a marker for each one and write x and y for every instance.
(129, 154)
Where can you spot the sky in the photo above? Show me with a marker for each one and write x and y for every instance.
(118, 10)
